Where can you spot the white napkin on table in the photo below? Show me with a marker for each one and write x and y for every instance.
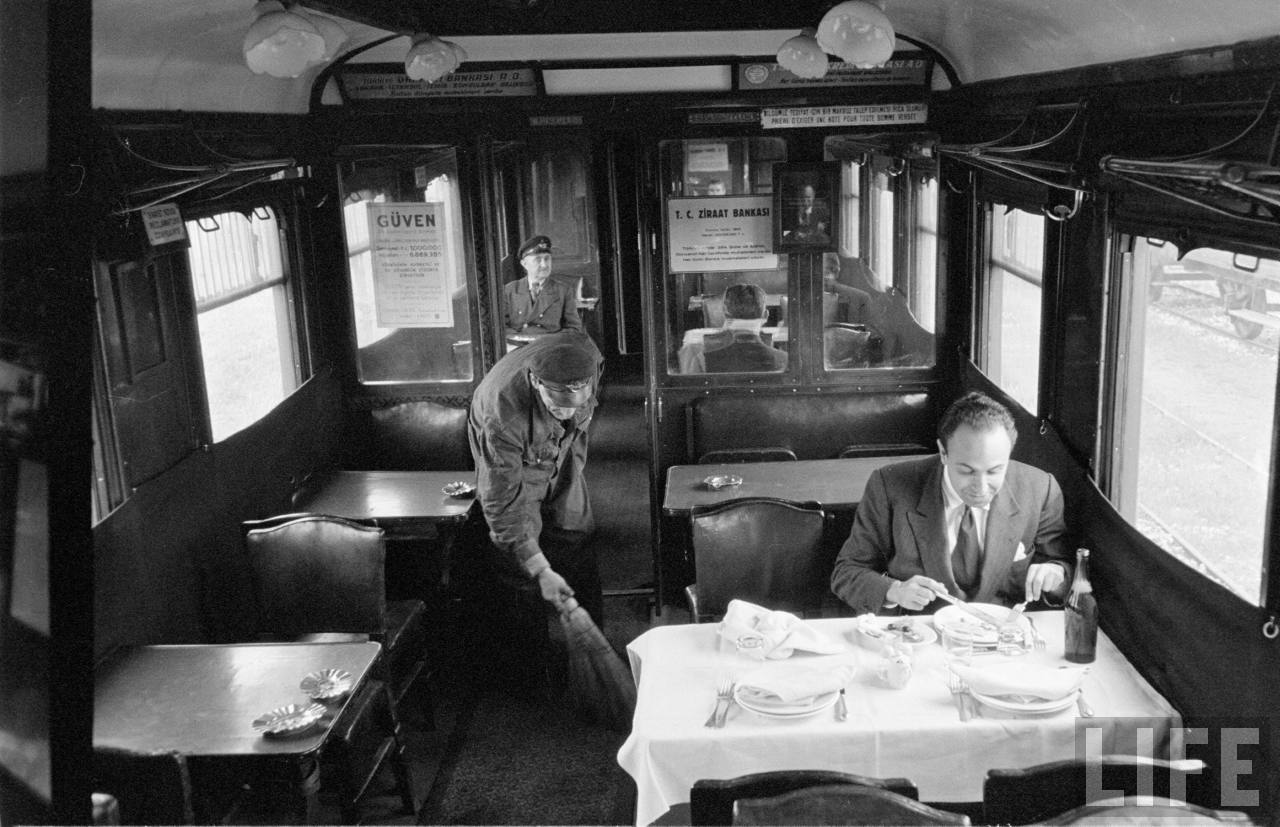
(794, 684)
(761, 633)
(1047, 683)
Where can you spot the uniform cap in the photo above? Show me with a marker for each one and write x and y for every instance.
(564, 364)
(536, 244)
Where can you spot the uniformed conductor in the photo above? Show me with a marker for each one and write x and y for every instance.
(528, 431)
(537, 303)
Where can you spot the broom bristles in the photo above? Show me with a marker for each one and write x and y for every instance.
(600, 687)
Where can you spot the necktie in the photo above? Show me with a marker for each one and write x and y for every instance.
(534, 290)
(966, 560)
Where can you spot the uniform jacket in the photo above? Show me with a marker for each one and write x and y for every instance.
(900, 530)
(556, 307)
(529, 465)
(740, 351)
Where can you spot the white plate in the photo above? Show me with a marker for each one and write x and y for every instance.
(1036, 707)
(869, 632)
(293, 719)
(962, 624)
(780, 709)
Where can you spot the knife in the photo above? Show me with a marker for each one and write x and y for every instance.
(965, 607)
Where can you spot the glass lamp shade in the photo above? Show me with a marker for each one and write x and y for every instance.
(858, 33)
(430, 58)
(335, 37)
(280, 43)
(803, 57)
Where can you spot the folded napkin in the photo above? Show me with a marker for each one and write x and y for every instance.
(760, 633)
(1046, 683)
(791, 685)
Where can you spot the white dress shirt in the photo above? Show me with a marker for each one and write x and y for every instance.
(955, 513)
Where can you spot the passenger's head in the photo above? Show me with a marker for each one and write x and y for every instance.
(830, 270)
(745, 301)
(716, 187)
(807, 195)
(535, 258)
(564, 376)
(975, 438)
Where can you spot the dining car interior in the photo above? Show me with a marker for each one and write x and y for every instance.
(256, 555)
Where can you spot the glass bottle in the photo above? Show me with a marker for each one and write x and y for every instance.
(1081, 611)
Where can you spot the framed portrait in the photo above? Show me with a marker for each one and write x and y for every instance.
(806, 207)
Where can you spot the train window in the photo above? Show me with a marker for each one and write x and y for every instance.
(879, 296)
(1195, 389)
(1009, 346)
(247, 340)
(727, 303)
(410, 299)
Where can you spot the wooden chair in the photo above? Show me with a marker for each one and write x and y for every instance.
(711, 800)
(1031, 794)
(840, 804)
(1154, 810)
(769, 454)
(148, 788)
(358, 748)
(760, 549)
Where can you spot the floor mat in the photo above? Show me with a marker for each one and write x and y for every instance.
(516, 760)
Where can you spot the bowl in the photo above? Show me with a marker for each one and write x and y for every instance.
(459, 488)
(719, 481)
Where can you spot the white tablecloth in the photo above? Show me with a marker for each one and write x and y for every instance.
(914, 732)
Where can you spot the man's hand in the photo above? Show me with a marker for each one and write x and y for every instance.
(1042, 578)
(916, 593)
(555, 589)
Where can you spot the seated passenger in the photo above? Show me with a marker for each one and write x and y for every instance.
(537, 303)
(840, 302)
(971, 522)
(738, 348)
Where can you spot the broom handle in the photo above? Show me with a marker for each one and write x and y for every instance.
(568, 605)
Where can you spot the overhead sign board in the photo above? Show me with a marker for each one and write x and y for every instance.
(877, 114)
(512, 82)
(906, 72)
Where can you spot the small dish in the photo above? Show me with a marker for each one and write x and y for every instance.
(293, 719)
(327, 684)
(719, 481)
(915, 632)
(459, 488)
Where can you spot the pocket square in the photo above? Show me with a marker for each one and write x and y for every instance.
(1020, 554)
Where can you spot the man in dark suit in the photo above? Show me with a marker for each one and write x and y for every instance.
(840, 302)
(738, 348)
(971, 522)
(813, 218)
(537, 303)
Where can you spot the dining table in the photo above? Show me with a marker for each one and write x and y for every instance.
(835, 484)
(399, 501)
(203, 701)
(915, 731)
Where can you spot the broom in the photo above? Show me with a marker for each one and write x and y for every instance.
(600, 688)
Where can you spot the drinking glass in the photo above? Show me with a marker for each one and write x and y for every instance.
(956, 647)
(1011, 639)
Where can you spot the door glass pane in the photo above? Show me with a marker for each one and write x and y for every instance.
(729, 313)
(411, 301)
(1194, 435)
(1011, 323)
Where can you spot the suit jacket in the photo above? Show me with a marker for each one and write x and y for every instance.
(555, 309)
(900, 530)
(740, 351)
(814, 225)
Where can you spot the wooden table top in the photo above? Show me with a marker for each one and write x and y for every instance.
(390, 498)
(833, 483)
(201, 700)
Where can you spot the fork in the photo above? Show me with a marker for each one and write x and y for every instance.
(957, 694)
(1036, 638)
(726, 693)
(724, 686)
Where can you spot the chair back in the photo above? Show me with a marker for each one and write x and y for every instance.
(1031, 794)
(767, 454)
(1148, 810)
(711, 799)
(315, 573)
(149, 788)
(763, 550)
(840, 804)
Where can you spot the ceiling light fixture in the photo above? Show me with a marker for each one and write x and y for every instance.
(856, 31)
(430, 58)
(281, 43)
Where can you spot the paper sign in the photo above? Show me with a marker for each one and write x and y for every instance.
(717, 235)
(164, 224)
(708, 157)
(517, 82)
(410, 286)
(792, 117)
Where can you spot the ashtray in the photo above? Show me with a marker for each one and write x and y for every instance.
(293, 719)
(722, 481)
(326, 684)
(459, 488)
